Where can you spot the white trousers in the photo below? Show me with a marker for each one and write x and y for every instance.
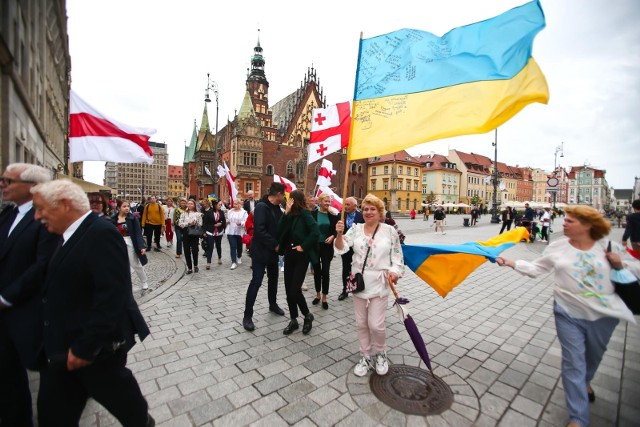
(134, 261)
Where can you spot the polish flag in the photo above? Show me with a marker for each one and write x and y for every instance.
(94, 136)
(329, 130)
(225, 172)
(325, 174)
(336, 201)
(289, 186)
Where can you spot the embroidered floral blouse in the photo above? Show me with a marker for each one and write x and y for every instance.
(582, 285)
(385, 257)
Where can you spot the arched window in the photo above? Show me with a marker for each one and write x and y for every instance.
(359, 168)
(300, 168)
(316, 171)
(289, 168)
(269, 170)
(354, 167)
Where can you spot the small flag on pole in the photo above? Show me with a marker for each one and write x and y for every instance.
(329, 130)
(325, 174)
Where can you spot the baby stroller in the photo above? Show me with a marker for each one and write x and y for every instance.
(531, 226)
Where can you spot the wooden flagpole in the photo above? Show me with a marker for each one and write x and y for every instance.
(345, 184)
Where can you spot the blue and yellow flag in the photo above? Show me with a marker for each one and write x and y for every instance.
(413, 86)
(444, 267)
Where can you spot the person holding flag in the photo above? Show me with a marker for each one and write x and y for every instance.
(327, 228)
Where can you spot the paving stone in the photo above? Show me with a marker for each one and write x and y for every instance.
(298, 409)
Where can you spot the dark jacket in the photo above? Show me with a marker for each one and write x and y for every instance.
(209, 221)
(135, 231)
(529, 214)
(294, 230)
(357, 219)
(23, 259)
(439, 215)
(632, 231)
(266, 216)
(504, 216)
(87, 298)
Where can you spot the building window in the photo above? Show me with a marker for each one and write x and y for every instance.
(399, 170)
(386, 170)
(408, 187)
(354, 167)
(289, 168)
(373, 185)
(373, 171)
(415, 186)
(415, 171)
(385, 184)
(269, 170)
(248, 186)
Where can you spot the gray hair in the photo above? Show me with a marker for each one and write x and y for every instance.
(55, 191)
(30, 172)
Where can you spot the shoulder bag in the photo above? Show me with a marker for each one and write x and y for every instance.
(355, 282)
(626, 286)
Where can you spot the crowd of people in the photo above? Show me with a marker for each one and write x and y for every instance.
(67, 308)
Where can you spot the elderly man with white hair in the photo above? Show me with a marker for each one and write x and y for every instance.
(25, 249)
(90, 316)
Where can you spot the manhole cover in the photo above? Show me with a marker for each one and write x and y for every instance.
(412, 390)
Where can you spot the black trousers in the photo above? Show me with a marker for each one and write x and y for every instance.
(152, 231)
(507, 225)
(295, 270)
(257, 274)
(63, 394)
(15, 398)
(191, 244)
(322, 269)
(347, 257)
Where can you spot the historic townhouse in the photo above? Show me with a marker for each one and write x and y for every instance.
(440, 179)
(397, 180)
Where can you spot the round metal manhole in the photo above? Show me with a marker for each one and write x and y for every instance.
(412, 390)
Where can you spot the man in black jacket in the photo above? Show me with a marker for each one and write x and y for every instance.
(264, 252)
(632, 231)
(89, 315)
(25, 249)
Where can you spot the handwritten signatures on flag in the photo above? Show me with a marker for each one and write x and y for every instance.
(382, 108)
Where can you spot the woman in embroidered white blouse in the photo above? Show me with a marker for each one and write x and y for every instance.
(384, 261)
(586, 307)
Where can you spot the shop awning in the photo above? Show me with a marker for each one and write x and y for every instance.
(88, 187)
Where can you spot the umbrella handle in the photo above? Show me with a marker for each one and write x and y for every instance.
(393, 288)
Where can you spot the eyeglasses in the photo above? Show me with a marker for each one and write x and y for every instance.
(9, 181)
(95, 202)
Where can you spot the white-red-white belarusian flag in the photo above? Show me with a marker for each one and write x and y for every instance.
(289, 186)
(336, 201)
(224, 171)
(94, 136)
(325, 174)
(329, 130)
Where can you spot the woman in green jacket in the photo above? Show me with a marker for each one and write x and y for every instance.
(298, 240)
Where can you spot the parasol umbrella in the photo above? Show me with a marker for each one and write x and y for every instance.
(411, 327)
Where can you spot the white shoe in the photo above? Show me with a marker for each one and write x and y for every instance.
(282, 268)
(234, 266)
(382, 364)
(239, 261)
(543, 241)
(145, 286)
(363, 367)
(444, 232)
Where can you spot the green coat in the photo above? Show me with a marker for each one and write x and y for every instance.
(299, 230)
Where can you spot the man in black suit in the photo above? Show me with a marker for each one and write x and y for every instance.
(351, 216)
(89, 314)
(25, 249)
(249, 203)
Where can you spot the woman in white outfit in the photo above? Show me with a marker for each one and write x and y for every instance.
(383, 261)
(129, 227)
(236, 219)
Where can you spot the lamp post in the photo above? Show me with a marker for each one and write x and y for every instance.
(494, 209)
(559, 149)
(213, 86)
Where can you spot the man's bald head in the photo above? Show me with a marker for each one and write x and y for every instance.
(350, 204)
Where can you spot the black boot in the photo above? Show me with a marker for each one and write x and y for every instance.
(292, 326)
(308, 319)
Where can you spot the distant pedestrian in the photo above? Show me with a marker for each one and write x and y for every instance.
(264, 252)
(179, 231)
(190, 219)
(236, 222)
(439, 217)
(545, 219)
(169, 210)
(632, 230)
(153, 222)
(507, 219)
(412, 214)
(475, 213)
(249, 202)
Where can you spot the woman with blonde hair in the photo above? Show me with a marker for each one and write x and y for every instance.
(586, 307)
(378, 255)
(327, 227)
(190, 219)
(236, 220)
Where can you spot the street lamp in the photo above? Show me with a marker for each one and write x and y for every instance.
(494, 209)
(559, 149)
(213, 86)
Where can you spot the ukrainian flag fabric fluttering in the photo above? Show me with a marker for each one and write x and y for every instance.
(443, 267)
(413, 86)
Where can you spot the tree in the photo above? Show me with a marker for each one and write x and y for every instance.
(475, 200)
(430, 198)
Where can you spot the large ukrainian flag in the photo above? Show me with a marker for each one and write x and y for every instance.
(413, 86)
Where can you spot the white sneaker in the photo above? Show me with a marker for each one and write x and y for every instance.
(145, 286)
(543, 241)
(363, 367)
(234, 266)
(239, 261)
(444, 232)
(282, 268)
(382, 364)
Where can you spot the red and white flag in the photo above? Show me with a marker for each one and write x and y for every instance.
(336, 201)
(329, 130)
(225, 172)
(289, 186)
(325, 174)
(94, 136)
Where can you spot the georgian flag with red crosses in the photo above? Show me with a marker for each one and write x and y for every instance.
(329, 130)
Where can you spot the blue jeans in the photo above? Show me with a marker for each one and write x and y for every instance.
(258, 270)
(583, 344)
(235, 244)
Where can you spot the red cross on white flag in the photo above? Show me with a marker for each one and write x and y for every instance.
(329, 130)
(336, 201)
(325, 174)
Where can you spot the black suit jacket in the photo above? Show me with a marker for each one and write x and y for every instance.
(23, 258)
(88, 303)
(266, 216)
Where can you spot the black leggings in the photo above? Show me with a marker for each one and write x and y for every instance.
(322, 269)
(190, 244)
(295, 269)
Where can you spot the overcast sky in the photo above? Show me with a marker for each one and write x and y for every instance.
(145, 63)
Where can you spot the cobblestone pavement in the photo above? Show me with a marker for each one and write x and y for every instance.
(492, 340)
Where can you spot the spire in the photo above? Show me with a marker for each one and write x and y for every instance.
(246, 110)
(204, 126)
(190, 150)
(257, 63)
